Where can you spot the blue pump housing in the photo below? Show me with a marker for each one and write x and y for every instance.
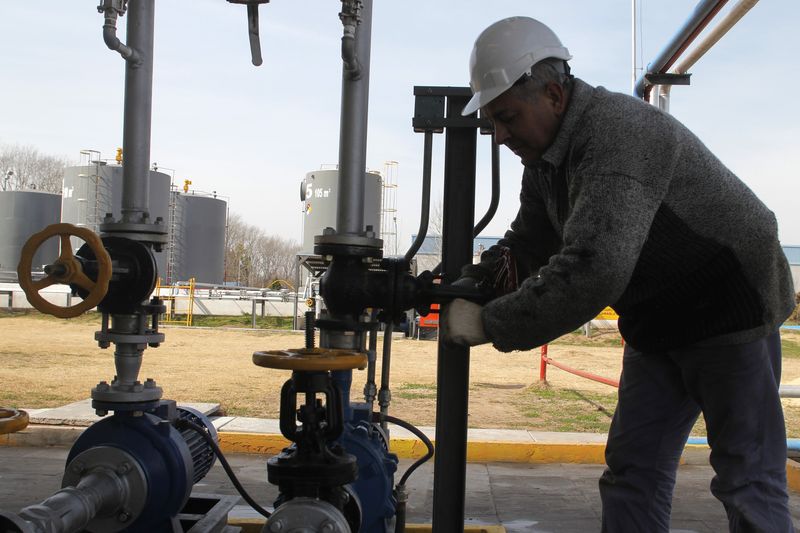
(376, 465)
(171, 461)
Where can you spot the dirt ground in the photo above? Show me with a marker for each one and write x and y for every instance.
(46, 362)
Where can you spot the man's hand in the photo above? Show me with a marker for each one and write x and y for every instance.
(463, 324)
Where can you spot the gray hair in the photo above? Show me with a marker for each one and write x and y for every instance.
(545, 71)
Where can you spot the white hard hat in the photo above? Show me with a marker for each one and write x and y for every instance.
(504, 52)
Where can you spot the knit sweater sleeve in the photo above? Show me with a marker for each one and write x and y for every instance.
(602, 237)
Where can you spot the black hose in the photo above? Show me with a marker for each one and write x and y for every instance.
(378, 417)
(183, 424)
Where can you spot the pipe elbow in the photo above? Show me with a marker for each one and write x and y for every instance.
(113, 43)
(349, 57)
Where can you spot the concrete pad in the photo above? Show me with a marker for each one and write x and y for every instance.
(499, 435)
(558, 437)
(242, 424)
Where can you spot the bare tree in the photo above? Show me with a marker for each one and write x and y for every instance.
(23, 167)
(254, 258)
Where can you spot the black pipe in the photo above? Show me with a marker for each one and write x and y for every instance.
(452, 399)
(495, 201)
(426, 196)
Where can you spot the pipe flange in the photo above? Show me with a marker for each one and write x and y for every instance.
(348, 244)
(136, 394)
(127, 338)
(128, 472)
(311, 359)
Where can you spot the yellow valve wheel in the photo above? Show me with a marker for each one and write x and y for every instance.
(65, 270)
(311, 359)
(12, 420)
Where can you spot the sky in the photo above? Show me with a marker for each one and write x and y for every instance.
(252, 133)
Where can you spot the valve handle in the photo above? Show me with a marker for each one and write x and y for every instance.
(66, 269)
(12, 420)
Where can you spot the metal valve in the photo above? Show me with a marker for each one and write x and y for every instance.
(252, 27)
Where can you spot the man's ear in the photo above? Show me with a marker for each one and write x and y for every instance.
(556, 96)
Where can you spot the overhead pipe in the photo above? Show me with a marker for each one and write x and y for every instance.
(353, 124)
(702, 15)
(714, 35)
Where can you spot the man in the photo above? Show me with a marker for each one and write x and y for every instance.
(622, 205)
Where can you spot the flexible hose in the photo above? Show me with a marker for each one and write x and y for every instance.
(378, 417)
(183, 424)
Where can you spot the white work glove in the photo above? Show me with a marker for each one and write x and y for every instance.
(463, 324)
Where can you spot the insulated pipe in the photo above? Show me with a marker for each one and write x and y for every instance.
(715, 34)
(353, 132)
(702, 15)
(426, 196)
(138, 112)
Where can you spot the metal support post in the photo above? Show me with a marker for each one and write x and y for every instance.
(452, 400)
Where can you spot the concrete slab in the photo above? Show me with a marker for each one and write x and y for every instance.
(241, 424)
(529, 498)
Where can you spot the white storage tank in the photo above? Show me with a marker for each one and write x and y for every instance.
(197, 241)
(319, 192)
(92, 190)
(23, 213)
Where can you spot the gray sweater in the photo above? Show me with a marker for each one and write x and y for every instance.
(628, 208)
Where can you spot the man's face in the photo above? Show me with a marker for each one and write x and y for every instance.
(527, 126)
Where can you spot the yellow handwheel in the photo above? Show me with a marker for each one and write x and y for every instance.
(311, 359)
(65, 270)
(12, 420)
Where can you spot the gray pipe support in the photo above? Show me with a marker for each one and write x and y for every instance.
(138, 111)
(701, 11)
(353, 132)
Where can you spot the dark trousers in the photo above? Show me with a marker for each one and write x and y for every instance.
(660, 397)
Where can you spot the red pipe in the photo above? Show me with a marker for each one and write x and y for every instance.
(682, 48)
(543, 364)
(587, 375)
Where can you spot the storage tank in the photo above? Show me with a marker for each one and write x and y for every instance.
(197, 240)
(319, 191)
(23, 213)
(90, 191)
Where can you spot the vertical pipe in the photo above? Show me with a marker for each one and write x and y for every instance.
(138, 111)
(543, 364)
(633, 45)
(452, 399)
(353, 133)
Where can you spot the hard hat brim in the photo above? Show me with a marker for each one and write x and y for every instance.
(481, 98)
